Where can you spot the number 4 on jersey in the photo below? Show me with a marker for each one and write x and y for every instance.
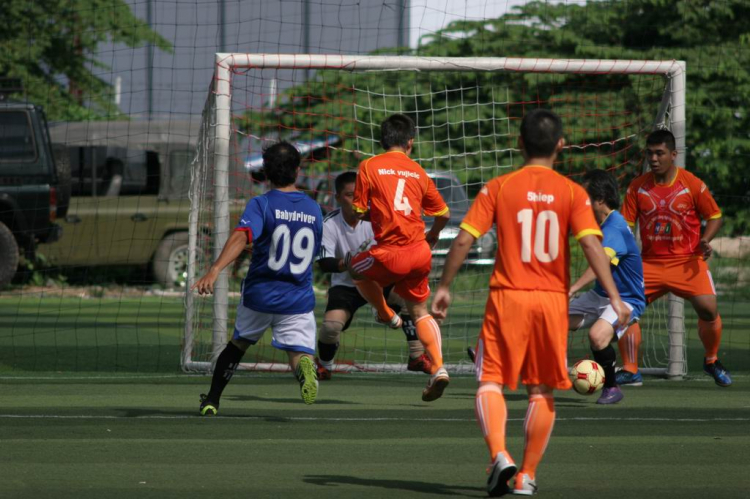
(401, 203)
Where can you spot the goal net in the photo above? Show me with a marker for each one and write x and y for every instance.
(467, 112)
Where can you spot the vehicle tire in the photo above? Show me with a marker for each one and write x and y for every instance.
(8, 255)
(171, 260)
(62, 163)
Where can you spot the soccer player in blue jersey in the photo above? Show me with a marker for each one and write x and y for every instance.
(592, 309)
(285, 227)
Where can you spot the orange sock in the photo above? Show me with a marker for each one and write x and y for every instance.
(492, 415)
(540, 418)
(630, 344)
(710, 334)
(428, 333)
(373, 293)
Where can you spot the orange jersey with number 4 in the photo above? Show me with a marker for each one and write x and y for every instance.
(396, 190)
(534, 208)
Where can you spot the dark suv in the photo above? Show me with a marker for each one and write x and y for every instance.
(34, 188)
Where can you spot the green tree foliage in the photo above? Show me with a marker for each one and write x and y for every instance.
(465, 118)
(51, 46)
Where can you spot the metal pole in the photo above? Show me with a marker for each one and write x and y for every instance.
(149, 66)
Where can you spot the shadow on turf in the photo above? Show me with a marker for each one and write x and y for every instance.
(414, 486)
(291, 400)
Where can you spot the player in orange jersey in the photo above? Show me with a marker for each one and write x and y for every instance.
(668, 203)
(394, 191)
(525, 327)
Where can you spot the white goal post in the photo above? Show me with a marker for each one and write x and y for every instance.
(214, 148)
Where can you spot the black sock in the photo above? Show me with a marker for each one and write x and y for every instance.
(326, 351)
(607, 359)
(410, 330)
(225, 367)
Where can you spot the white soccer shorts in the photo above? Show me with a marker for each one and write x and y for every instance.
(294, 332)
(593, 306)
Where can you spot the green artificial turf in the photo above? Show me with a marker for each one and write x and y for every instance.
(94, 435)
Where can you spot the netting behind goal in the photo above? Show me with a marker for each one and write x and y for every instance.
(467, 113)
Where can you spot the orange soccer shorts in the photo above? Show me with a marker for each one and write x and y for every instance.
(408, 267)
(524, 333)
(684, 277)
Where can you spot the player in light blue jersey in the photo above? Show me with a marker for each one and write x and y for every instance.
(285, 227)
(592, 309)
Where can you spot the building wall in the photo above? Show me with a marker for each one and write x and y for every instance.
(181, 79)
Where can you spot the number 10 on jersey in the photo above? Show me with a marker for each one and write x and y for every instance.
(545, 230)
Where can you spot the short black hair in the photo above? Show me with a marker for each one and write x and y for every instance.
(662, 137)
(541, 130)
(343, 179)
(396, 131)
(602, 186)
(280, 163)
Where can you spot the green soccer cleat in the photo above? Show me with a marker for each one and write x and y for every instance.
(207, 407)
(308, 380)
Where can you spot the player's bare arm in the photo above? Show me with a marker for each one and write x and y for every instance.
(438, 225)
(712, 228)
(599, 262)
(587, 278)
(456, 256)
(234, 247)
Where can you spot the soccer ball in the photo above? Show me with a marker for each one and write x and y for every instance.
(588, 377)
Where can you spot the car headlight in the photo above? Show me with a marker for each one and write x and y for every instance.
(486, 245)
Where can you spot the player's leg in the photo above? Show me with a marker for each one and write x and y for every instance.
(498, 357)
(492, 416)
(418, 361)
(367, 272)
(544, 368)
(295, 334)
(601, 336)
(429, 335)
(334, 322)
(538, 424)
(709, 330)
(248, 329)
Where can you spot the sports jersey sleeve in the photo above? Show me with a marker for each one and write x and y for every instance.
(252, 219)
(582, 221)
(361, 202)
(432, 202)
(704, 201)
(614, 245)
(481, 215)
(328, 244)
(629, 207)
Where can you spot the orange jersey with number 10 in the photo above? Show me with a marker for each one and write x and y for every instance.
(396, 190)
(534, 209)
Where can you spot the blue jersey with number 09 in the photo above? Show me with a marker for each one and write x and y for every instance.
(286, 230)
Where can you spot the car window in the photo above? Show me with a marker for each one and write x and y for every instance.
(179, 173)
(95, 171)
(452, 193)
(16, 137)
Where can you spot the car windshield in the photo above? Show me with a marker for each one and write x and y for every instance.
(16, 137)
(453, 194)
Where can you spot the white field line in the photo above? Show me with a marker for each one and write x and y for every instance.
(364, 420)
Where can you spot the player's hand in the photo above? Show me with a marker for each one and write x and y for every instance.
(205, 285)
(705, 248)
(440, 303)
(431, 239)
(622, 311)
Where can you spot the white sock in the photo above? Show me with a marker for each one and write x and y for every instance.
(328, 364)
(416, 349)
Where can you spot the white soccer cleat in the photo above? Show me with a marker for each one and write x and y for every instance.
(501, 471)
(436, 385)
(525, 486)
